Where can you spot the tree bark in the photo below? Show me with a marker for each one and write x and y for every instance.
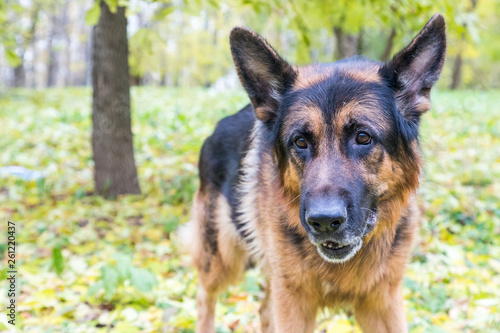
(360, 45)
(31, 41)
(136, 80)
(388, 46)
(456, 77)
(66, 32)
(346, 44)
(115, 172)
(457, 71)
(20, 70)
(52, 59)
(20, 74)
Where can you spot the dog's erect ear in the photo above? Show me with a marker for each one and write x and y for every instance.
(414, 70)
(263, 73)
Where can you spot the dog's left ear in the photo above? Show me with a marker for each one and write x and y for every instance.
(263, 73)
(413, 71)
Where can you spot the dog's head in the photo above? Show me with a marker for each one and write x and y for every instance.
(344, 135)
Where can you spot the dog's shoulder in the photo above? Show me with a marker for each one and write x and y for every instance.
(224, 149)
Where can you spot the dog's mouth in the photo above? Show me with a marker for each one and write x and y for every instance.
(332, 246)
(336, 252)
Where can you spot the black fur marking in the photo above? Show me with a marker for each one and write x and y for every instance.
(207, 265)
(211, 229)
(220, 163)
(401, 233)
(294, 238)
(375, 167)
(261, 71)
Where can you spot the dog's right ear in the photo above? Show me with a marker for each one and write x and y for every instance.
(263, 73)
(413, 71)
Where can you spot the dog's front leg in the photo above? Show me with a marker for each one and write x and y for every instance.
(206, 311)
(293, 311)
(382, 310)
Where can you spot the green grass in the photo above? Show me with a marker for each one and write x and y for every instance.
(92, 265)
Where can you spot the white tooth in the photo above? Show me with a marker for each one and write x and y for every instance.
(330, 245)
(324, 244)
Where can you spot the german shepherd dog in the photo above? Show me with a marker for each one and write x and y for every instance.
(315, 181)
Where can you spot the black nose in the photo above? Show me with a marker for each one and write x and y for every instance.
(323, 218)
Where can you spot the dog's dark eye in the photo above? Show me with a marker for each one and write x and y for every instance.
(301, 143)
(363, 138)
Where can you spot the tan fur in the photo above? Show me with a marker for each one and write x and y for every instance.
(310, 114)
(370, 282)
(300, 282)
(365, 74)
(309, 76)
(349, 284)
(359, 110)
(225, 268)
(375, 182)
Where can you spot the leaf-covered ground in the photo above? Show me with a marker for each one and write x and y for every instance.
(92, 265)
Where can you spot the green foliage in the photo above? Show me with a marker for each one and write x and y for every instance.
(184, 43)
(121, 273)
(93, 265)
(12, 57)
(57, 260)
(195, 33)
(92, 15)
(7, 39)
(371, 20)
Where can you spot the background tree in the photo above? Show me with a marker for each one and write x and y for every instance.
(458, 61)
(25, 39)
(115, 172)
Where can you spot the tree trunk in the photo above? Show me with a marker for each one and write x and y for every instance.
(388, 46)
(457, 72)
(456, 76)
(20, 74)
(66, 32)
(136, 80)
(52, 60)
(346, 44)
(360, 46)
(31, 42)
(84, 53)
(115, 172)
(20, 70)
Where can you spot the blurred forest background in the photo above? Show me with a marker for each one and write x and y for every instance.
(97, 209)
(47, 43)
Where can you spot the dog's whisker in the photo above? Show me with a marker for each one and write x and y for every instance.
(289, 202)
